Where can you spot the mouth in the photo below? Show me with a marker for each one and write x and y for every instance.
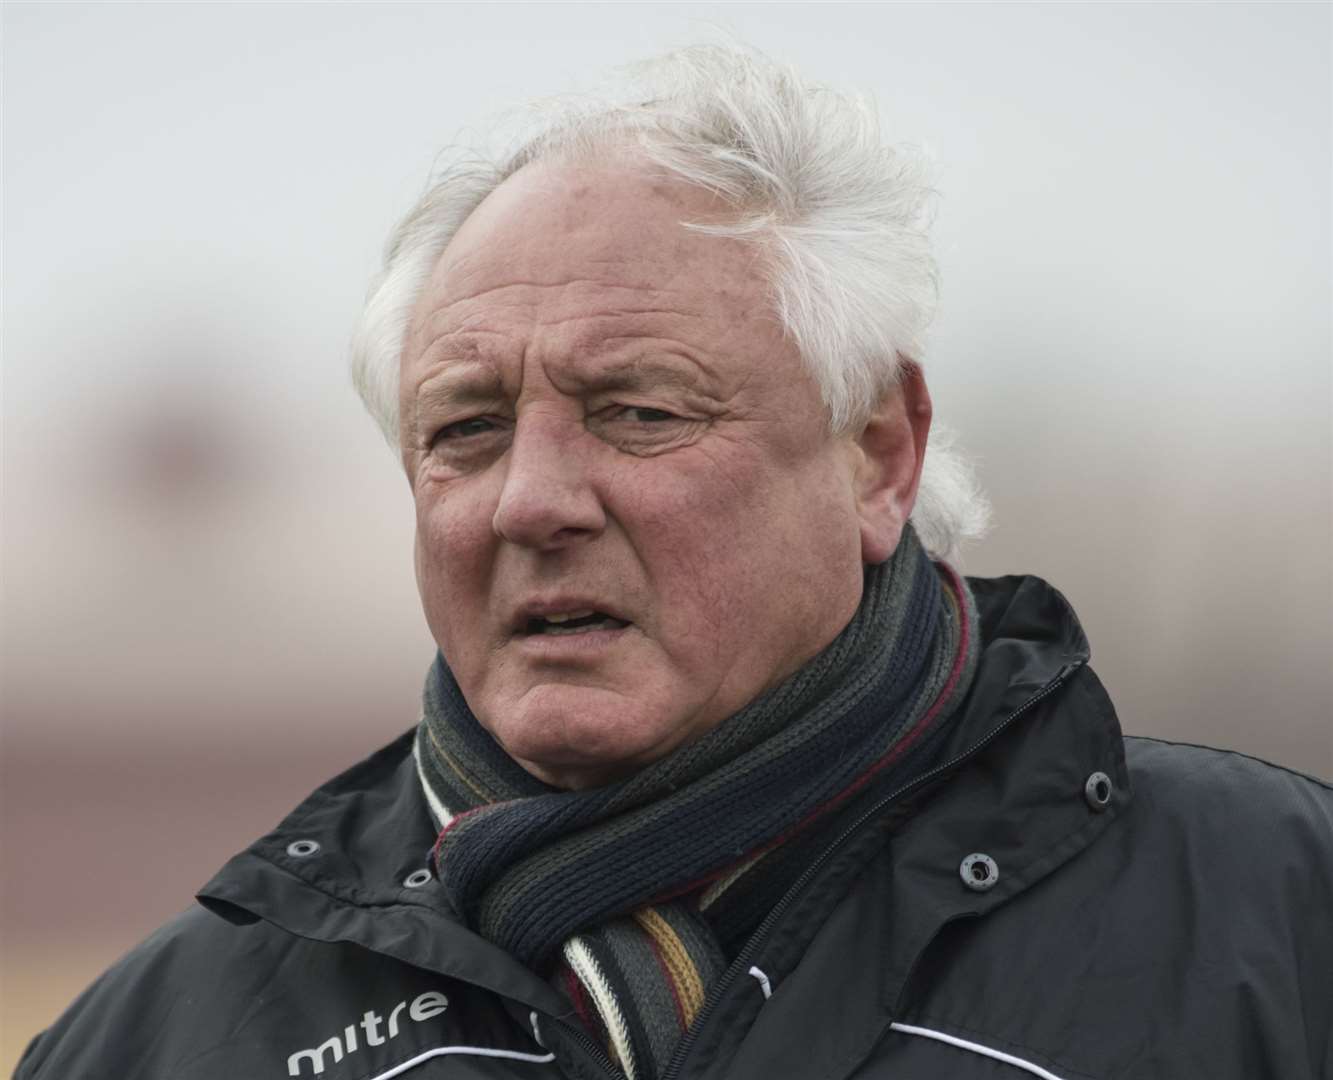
(564, 623)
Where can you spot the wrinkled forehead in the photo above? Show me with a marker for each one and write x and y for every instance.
(566, 235)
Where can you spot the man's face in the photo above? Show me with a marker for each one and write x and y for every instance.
(631, 519)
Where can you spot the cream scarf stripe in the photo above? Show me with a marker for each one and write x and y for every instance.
(589, 973)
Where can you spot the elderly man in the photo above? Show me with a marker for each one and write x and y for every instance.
(720, 773)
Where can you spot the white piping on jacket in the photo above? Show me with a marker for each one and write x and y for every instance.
(906, 1029)
(475, 1051)
(977, 1048)
(437, 808)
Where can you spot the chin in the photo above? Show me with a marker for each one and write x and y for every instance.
(573, 737)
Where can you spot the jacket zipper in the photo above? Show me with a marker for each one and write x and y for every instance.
(743, 960)
(594, 1051)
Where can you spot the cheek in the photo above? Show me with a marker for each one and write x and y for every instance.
(451, 540)
(454, 519)
(699, 529)
(733, 544)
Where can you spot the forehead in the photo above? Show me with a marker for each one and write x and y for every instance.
(578, 259)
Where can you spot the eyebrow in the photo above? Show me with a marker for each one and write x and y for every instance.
(460, 384)
(471, 382)
(639, 372)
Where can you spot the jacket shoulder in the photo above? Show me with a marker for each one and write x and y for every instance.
(158, 1005)
(1233, 870)
(1263, 824)
(1189, 939)
(1213, 789)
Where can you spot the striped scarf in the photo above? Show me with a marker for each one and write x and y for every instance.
(631, 897)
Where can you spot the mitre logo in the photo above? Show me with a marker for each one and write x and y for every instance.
(422, 1007)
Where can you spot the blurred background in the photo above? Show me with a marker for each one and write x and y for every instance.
(208, 604)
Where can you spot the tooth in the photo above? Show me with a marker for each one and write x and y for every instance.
(567, 615)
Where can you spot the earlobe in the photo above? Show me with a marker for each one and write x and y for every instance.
(893, 447)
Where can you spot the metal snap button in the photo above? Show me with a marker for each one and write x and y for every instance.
(1098, 791)
(300, 849)
(979, 872)
(416, 879)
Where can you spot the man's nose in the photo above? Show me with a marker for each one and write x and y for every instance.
(547, 499)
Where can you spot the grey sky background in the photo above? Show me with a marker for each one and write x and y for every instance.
(207, 546)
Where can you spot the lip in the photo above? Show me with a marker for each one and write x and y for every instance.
(542, 606)
(582, 648)
(589, 646)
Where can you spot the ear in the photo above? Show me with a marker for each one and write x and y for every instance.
(893, 447)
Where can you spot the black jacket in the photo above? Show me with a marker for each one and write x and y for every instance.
(1172, 918)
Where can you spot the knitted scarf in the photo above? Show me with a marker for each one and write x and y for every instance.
(631, 897)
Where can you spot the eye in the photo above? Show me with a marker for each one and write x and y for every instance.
(644, 429)
(462, 429)
(649, 416)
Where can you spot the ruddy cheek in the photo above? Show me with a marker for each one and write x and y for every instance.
(441, 566)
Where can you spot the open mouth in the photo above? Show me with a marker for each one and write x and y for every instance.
(572, 622)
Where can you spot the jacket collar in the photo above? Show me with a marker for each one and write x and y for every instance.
(1026, 809)
(1036, 724)
(373, 832)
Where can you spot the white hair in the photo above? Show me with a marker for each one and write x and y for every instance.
(840, 218)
